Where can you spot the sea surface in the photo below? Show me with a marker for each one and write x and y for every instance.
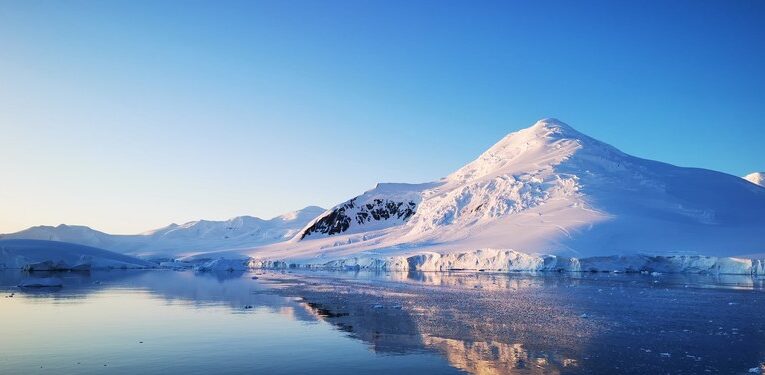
(309, 322)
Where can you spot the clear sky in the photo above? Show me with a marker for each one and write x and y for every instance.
(129, 115)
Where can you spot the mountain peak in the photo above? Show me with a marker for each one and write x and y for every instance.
(550, 122)
(308, 212)
(757, 178)
(546, 142)
(549, 127)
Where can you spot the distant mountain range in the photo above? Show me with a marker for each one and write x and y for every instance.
(757, 178)
(174, 239)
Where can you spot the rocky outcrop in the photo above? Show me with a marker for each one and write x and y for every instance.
(340, 219)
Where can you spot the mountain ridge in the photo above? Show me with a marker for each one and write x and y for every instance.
(174, 239)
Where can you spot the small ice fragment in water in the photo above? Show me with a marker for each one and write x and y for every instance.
(584, 316)
(44, 282)
(667, 355)
(377, 306)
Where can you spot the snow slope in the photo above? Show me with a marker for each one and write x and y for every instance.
(543, 190)
(757, 178)
(195, 236)
(39, 255)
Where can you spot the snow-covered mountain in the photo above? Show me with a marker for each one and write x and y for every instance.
(174, 239)
(545, 197)
(546, 189)
(757, 178)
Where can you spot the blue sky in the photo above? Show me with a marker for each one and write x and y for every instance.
(128, 115)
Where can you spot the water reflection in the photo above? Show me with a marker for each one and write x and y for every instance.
(475, 330)
(497, 357)
(504, 280)
(233, 289)
(485, 323)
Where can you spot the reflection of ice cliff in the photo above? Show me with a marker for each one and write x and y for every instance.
(489, 358)
(494, 323)
(475, 331)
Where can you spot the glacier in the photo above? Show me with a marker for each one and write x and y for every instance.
(496, 260)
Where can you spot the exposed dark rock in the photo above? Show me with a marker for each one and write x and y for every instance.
(339, 220)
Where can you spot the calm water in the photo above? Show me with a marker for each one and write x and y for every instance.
(321, 322)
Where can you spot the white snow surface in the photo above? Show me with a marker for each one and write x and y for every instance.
(543, 198)
(174, 239)
(39, 255)
(757, 178)
(549, 190)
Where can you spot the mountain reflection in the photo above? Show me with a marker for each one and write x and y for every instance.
(490, 358)
(476, 330)
(483, 323)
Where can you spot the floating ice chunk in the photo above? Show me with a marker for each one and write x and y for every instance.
(43, 282)
(224, 265)
(176, 265)
(569, 362)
